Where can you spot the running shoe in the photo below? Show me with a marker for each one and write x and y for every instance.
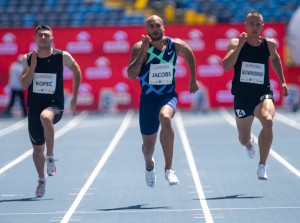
(150, 175)
(171, 177)
(251, 150)
(261, 172)
(51, 168)
(40, 190)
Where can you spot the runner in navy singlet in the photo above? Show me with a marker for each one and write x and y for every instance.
(249, 55)
(153, 61)
(43, 77)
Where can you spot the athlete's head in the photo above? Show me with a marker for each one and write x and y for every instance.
(254, 24)
(43, 35)
(155, 28)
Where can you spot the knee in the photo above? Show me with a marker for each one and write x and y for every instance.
(148, 147)
(37, 153)
(267, 122)
(165, 121)
(45, 119)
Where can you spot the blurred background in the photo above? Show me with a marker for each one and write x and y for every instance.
(99, 34)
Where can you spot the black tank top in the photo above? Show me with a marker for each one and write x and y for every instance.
(251, 71)
(52, 65)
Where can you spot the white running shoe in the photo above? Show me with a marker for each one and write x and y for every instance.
(150, 176)
(40, 190)
(261, 172)
(171, 177)
(251, 150)
(51, 168)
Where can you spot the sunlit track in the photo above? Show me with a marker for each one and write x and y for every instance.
(101, 168)
(59, 133)
(273, 153)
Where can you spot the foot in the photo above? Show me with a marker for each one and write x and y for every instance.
(261, 172)
(40, 190)
(171, 177)
(251, 150)
(51, 168)
(150, 176)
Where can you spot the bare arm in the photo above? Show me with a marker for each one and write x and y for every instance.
(277, 65)
(69, 61)
(233, 50)
(28, 72)
(182, 48)
(138, 56)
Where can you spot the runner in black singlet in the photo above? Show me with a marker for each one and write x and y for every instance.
(43, 77)
(153, 61)
(249, 55)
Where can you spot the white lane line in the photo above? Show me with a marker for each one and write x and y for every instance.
(275, 155)
(99, 166)
(145, 211)
(192, 165)
(13, 127)
(59, 133)
(287, 121)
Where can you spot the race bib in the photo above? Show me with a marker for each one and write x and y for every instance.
(161, 74)
(44, 83)
(253, 73)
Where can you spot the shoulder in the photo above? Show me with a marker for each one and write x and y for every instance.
(137, 45)
(272, 44)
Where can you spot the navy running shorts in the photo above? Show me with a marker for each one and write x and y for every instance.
(35, 127)
(244, 106)
(149, 112)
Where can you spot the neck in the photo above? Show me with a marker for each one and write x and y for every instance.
(44, 52)
(254, 41)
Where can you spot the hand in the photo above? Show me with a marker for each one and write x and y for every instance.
(33, 59)
(73, 105)
(194, 86)
(242, 39)
(285, 90)
(145, 42)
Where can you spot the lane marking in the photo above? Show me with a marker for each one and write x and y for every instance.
(13, 127)
(149, 210)
(287, 121)
(99, 166)
(71, 124)
(193, 168)
(275, 155)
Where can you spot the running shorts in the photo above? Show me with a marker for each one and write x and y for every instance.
(244, 106)
(35, 127)
(149, 112)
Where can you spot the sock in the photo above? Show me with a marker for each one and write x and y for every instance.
(48, 157)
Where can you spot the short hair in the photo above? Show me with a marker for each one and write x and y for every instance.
(39, 27)
(254, 13)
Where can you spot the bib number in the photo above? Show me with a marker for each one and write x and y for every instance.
(161, 74)
(253, 73)
(44, 83)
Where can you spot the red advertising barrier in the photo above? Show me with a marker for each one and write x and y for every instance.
(103, 54)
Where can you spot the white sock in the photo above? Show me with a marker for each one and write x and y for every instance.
(48, 157)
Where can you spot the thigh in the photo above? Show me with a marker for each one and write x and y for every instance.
(35, 127)
(264, 109)
(149, 122)
(244, 125)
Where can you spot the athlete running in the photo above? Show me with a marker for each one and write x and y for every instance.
(43, 76)
(153, 61)
(249, 55)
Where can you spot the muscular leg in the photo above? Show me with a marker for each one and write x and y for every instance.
(148, 149)
(244, 129)
(167, 134)
(39, 159)
(265, 112)
(47, 117)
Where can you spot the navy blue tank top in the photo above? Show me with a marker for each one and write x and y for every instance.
(157, 75)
